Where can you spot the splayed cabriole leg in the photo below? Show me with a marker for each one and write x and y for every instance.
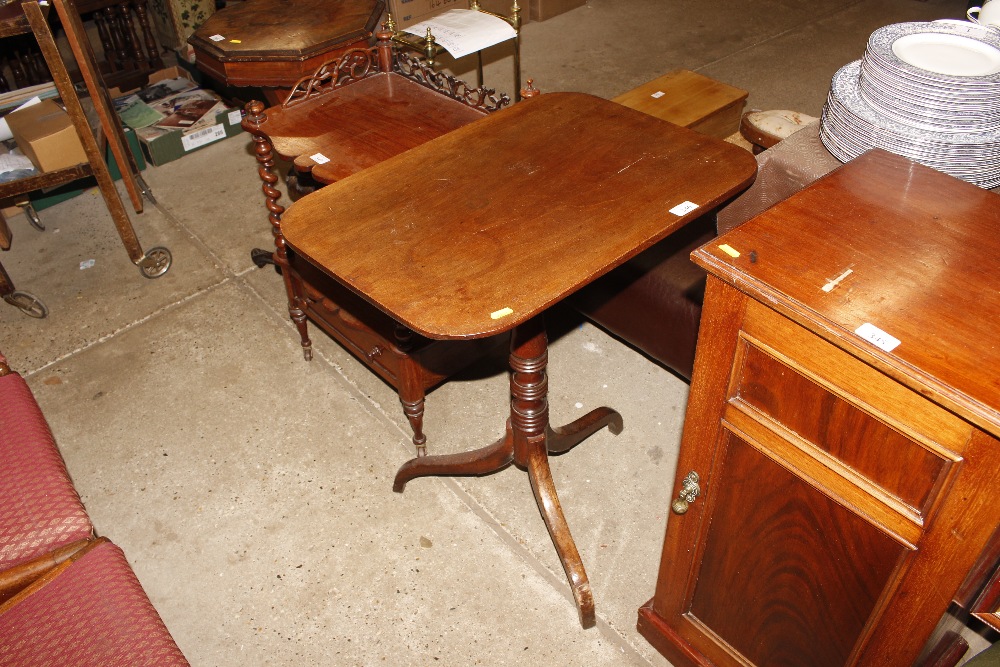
(527, 442)
(564, 438)
(264, 152)
(483, 461)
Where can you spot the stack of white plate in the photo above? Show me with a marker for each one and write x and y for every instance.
(927, 91)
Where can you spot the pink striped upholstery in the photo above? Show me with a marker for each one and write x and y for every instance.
(39, 508)
(93, 614)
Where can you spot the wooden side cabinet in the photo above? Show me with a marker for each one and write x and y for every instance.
(838, 475)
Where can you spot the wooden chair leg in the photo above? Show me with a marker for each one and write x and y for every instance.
(411, 388)
(18, 578)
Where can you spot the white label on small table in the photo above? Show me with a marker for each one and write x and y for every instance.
(658, 94)
(202, 137)
(319, 158)
(217, 38)
(683, 209)
(877, 337)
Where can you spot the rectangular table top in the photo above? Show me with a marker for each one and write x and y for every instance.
(475, 232)
(901, 248)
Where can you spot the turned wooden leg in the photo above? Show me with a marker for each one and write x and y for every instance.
(529, 414)
(528, 440)
(293, 288)
(132, 38)
(411, 388)
(6, 284)
(264, 152)
(152, 48)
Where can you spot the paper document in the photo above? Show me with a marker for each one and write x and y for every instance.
(464, 31)
(135, 113)
(10, 162)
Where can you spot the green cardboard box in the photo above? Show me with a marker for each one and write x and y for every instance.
(169, 146)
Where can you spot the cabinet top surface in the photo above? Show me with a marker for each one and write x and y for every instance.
(905, 250)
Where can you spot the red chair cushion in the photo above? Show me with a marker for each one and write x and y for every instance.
(93, 614)
(39, 508)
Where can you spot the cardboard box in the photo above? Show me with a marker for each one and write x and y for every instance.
(171, 145)
(161, 146)
(45, 134)
(43, 199)
(541, 10)
(407, 12)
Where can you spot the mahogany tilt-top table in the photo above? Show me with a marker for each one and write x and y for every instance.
(478, 232)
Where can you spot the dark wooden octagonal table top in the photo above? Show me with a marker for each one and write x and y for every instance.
(274, 43)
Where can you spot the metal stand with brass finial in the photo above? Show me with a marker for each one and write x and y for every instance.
(430, 48)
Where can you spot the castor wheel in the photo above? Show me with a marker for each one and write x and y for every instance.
(262, 258)
(145, 190)
(29, 304)
(33, 218)
(155, 262)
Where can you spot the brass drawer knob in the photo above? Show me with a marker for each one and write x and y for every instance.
(689, 491)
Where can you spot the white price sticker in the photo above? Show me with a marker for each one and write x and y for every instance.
(217, 38)
(235, 117)
(319, 158)
(658, 94)
(684, 209)
(202, 137)
(877, 337)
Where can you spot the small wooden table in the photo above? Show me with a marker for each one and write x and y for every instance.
(478, 232)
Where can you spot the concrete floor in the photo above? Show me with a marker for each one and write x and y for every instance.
(251, 490)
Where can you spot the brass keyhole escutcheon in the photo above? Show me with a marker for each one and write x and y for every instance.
(689, 491)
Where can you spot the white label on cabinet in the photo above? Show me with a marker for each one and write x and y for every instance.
(319, 158)
(877, 337)
(658, 94)
(684, 208)
(217, 38)
(202, 137)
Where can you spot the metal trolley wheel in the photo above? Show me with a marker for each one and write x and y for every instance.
(155, 263)
(27, 303)
(33, 218)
